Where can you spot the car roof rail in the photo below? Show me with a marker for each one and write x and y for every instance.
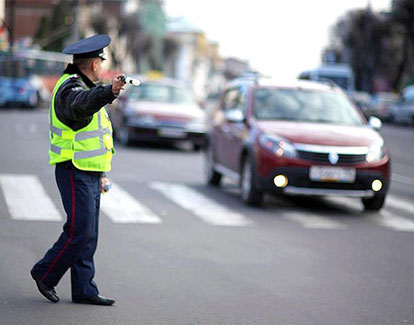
(250, 78)
(330, 83)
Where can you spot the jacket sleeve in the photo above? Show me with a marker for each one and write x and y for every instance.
(79, 104)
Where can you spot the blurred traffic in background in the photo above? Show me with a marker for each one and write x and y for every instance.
(368, 54)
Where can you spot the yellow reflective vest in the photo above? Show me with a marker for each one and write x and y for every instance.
(90, 148)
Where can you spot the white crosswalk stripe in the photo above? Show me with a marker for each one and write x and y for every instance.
(386, 218)
(121, 207)
(311, 221)
(203, 207)
(394, 222)
(401, 204)
(26, 198)
(390, 202)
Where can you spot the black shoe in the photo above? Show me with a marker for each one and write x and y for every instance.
(47, 292)
(97, 300)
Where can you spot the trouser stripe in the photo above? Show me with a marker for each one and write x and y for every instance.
(72, 226)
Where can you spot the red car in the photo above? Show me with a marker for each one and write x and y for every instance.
(304, 138)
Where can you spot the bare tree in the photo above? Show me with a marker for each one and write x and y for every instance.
(377, 47)
(403, 14)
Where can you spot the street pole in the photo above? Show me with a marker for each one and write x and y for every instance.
(11, 40)
(12, 35)
(2, 10)
(75, 21)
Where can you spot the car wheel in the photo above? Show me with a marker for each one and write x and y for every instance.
(374, 203)
(125, 136)
(212, 176)
(251, 194)
(34, 100)
(196, 147)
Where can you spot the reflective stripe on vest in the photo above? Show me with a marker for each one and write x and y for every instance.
(79, 136)
(77, 155)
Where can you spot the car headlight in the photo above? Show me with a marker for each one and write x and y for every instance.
(375, 152)
(196, 126)
(277, 145)
(141, 120)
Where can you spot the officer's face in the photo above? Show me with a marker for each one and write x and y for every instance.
(97, 68)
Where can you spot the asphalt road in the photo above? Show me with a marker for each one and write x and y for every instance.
(400, 142)
(294, 261)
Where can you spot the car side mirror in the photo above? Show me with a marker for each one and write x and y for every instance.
(375, 123)
(234, 116)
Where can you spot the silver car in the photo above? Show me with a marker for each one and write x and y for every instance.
(403, 111)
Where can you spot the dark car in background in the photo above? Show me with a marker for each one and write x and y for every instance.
(303, 138)
(159, 110)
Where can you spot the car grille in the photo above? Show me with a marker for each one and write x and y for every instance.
(323, 157)
(170, 123)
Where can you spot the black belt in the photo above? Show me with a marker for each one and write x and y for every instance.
(69, 165)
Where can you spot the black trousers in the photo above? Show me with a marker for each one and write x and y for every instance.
(81, 193)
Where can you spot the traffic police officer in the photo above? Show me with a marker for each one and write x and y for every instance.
(81, 147)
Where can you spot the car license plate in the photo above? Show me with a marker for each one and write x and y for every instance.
(171, 133)
(332, 174)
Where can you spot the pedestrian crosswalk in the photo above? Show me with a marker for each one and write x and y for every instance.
(397, 203)
(122, 207)
(312, 221)
(203, 207)
(389, 220)
(27, 199)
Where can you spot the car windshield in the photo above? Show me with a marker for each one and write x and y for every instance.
(161, 93)
(304, 105)
(340, 81)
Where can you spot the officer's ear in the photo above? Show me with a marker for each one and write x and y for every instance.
(95, 64)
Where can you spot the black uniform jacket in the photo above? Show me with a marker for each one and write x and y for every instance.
(78, 98)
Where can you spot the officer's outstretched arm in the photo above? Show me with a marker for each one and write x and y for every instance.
(80, 103)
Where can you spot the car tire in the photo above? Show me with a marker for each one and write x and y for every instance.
(125, 136)
(374, 203)
(212, 176)
(250, 192)
(34, 100)
(196, 147)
